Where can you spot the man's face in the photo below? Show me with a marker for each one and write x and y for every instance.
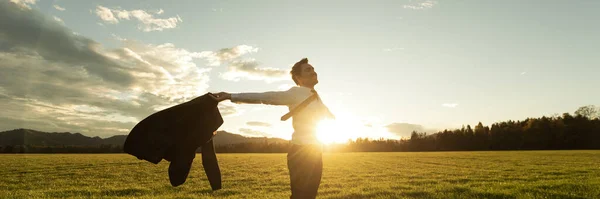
(308, 76)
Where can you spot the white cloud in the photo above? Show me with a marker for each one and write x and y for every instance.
(121, 14)
(59, 20)
(57, 7)
(229, 109)
(147, 21)
(24, 4)
(154, 24)
(106, 15)
(70, 99)
(450, 105)
(259, 124)
(164, 69)
(524, 72)
(226, 54)
(248, 69)
(392, 49)
(117, 37)
(404, 129)
(79, 86)
(421, 5)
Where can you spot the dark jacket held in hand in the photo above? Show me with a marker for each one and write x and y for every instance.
(174, 134)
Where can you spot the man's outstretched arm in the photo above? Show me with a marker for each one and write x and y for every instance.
(270, 98)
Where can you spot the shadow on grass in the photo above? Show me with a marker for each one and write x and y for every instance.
(566, 187)
(461, 192)
(72, 193)
(90, 193)
(374, 194)
(330, 192)
(416, 194)
(458, 181)
(545, 191)
(454, 192)
(124, 192)
(423, 182)
(217, 193)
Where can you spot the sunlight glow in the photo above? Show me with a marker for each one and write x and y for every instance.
(348, 127)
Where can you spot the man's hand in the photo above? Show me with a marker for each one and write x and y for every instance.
(220, 96)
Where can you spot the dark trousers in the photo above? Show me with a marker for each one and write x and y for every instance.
(305, 164)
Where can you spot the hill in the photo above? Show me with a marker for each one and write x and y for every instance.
(40, 138)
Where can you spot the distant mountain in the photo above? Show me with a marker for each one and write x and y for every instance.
(39, 138)
(225, 138)
(34, 137)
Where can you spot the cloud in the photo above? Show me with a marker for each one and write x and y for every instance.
(32, 113)
(524, 72)
(249, 69)
(164, 69)
(57, 7)
(404, 129)
(29, 32)
(59, 20)
(54, 80)
(229, 109)
(255, 123)
(392, 49)
(147, 21)
(450, 105)
(421, 5)
(106, 15)
(252, 132)
(226, 54)
(23, 4)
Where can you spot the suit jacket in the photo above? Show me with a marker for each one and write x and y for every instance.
(174, 134)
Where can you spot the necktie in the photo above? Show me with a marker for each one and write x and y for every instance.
(300, 107)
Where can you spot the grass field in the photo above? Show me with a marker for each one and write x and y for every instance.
(528, 174)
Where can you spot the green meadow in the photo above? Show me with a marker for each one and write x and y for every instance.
(506, 174)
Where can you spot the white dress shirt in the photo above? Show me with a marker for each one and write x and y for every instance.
(304, 122)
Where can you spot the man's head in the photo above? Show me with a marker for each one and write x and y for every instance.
(304, 74)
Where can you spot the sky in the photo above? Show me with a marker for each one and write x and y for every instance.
(386, 68)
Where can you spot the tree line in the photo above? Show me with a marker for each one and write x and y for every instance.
(559, 132)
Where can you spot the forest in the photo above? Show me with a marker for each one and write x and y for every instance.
(558, 132)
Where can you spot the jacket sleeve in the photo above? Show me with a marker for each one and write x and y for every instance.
(270, 98)
(211, 165)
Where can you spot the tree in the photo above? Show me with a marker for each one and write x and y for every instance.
(481, 137)
(589, 112)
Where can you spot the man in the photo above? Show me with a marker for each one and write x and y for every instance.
(304, 158)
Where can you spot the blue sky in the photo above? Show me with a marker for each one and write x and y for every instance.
(385, 66)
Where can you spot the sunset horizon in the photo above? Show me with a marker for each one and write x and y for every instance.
(100, 68)
(300, 99)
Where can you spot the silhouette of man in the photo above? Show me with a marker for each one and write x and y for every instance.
(304, 158)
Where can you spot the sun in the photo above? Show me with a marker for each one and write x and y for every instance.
(348, 126)
(343, 129)
(333, 131)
